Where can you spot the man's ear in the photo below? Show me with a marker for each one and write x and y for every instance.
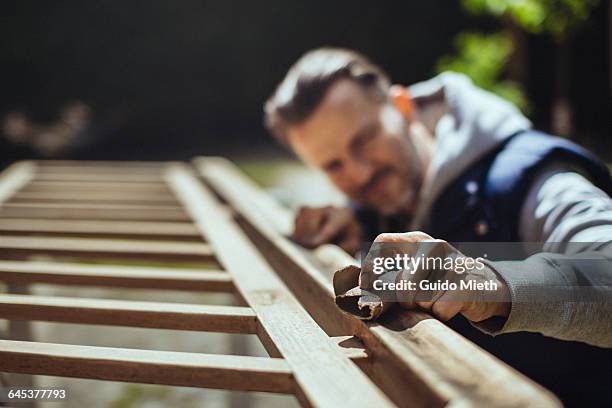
(401, 99)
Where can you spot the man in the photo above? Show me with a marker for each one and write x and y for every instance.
(460, 164)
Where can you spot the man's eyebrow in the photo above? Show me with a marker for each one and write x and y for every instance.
(330, 162)
(365, 131)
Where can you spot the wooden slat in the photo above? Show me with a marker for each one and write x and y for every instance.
(415, 358)
(81, 169)
(104, 228)
(114, 276)
(92, 211)
(91, 197)
(15, 246)
(243, 373)
(99, 186)
(14, 178)
(157, 315)
(89, 177)
(325, 376)
(119, 164)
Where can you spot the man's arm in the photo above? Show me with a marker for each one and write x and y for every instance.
(565, 292)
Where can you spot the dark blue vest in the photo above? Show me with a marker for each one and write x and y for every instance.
(483, 203)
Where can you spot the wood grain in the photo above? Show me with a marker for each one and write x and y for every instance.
(125, 197)
(95, 177)
(85, 186)
(415, 358)
(17, 246)
(20, 272)
(100, 228)
(158, 315)
(324, 375)
(243, 373)
(15, 177)
(92, 212)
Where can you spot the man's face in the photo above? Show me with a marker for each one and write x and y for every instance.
(364, 146)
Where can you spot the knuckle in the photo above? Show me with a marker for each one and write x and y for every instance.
(385, 237)
(419, 235)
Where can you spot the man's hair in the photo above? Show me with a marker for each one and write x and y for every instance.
(309, 79)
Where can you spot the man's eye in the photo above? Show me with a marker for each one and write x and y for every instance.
(333, 166)
(365, 139)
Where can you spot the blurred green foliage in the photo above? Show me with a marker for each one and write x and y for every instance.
(556, 17)
(483, 57)
(134, 395)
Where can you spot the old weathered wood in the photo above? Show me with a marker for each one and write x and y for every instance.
(93, 164)
(15, 178)
(324, 375)
(12, 179)
(67, 197)
(85, 186)
(415, 358)
(90, 177)
(18, 246)
(242, 373)
(92, 211)
(100, 228)
(223, 319)
(23, 272)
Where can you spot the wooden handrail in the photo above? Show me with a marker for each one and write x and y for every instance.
(324, 376)
(329, 358)
(416, 359)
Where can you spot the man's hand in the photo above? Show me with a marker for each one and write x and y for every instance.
(318, 226)
(475, 306)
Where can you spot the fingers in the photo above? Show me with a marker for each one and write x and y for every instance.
(440, 303)
(446, 309)
(351, 239)
(405, 237)
(317, 226)
(333, 225)
(307, 223)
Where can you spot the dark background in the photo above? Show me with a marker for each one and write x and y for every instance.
(170, 80)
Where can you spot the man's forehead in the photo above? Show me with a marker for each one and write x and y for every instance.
(346, 95)
(340, 113)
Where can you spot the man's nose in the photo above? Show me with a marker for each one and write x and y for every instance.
(361, 172)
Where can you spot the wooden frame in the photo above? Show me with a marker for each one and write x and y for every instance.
(319, 354)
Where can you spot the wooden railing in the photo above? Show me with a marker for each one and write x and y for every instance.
(210, 213)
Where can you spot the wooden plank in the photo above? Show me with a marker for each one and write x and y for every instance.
(416, 359)
(99, 169)
(15, 246)
(92, 212)
(104, 228)
(115, 276)
(99, 186)
(324, 375)
(125, 177)
(123, 164)
(91, 197)
(157, 315)
(14, 178)
(241, 373)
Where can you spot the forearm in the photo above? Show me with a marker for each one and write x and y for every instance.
(564, 296)
(565, 292)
